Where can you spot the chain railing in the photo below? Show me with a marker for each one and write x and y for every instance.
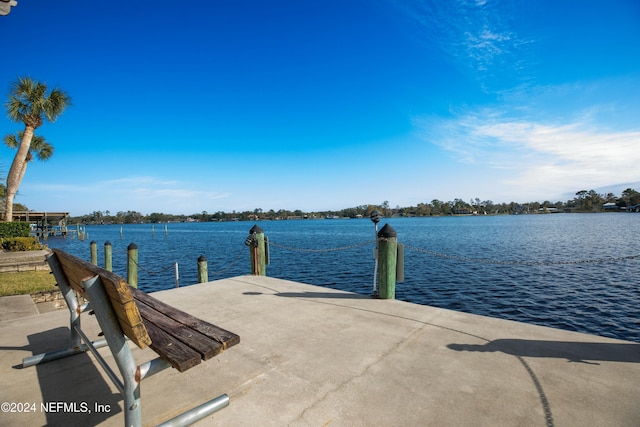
(154, 272)
(174, 265)
(342, 248)
(231, 264)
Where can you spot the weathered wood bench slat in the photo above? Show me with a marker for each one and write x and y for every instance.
(77, 270)
(205, 346)
(225, 338)
(168, 347)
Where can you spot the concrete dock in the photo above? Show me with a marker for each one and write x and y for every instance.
(312, 356)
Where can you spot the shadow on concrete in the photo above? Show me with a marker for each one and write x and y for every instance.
(71, 387)
(506, 346)
(582, 352)
(329, 295)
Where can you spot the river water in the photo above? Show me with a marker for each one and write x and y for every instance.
(579, 272)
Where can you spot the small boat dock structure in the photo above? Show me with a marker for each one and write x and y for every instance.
(314, 356)
(45, 224)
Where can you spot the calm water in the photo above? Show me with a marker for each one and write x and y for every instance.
(450, 262)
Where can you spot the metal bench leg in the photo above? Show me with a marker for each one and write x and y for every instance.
(199, 412)
(192, 415)
(59, 354)
(75, 309)
(119, 349)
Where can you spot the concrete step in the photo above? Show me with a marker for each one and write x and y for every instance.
(23, 261)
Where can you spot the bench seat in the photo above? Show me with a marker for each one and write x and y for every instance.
(178, 337)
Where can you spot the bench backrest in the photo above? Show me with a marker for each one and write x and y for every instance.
(117, 289)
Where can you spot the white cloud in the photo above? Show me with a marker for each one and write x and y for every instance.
(540, 160)
(145, 194)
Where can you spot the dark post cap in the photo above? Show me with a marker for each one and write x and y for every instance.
(202, 258)
(132, 246)
(93, 242)
(107, 243)
(375, 217)
(387, 231)
(256, 229)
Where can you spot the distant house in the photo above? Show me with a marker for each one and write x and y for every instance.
(549, 210)
(610, 206)
(634, 208)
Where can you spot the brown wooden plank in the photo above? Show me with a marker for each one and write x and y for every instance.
(117, 289)
(224, 337)
(205, 346)
(77, 270)
(179, 355)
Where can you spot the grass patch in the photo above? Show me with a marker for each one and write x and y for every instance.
(26, 282)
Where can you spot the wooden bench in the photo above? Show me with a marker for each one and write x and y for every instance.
(181, 340)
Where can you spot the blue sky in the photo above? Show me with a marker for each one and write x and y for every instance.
(184, 107)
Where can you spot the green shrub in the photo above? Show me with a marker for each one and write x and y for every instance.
(19, 244)
(14, 229)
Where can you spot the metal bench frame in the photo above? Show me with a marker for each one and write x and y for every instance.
(132, 374)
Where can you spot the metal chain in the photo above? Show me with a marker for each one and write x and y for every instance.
(234, 261)
(489, 261)
(157, 271)
(144, 269)
(217, 273)
(357, 245)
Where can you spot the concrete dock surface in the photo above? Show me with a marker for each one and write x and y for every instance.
(312, 356)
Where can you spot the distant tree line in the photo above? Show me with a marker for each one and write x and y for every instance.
(584, 201)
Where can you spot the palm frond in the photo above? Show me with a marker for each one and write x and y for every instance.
(57, 101)
(29, 103)
(41, 147)
(11, 141)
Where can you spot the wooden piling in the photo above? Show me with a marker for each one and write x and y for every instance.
(108, 256)
(258, 258)
(94, 252)
(387, 258)
(132, 265)
(203, 273)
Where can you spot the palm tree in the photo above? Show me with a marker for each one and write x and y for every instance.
(30, 104)
(42, 149)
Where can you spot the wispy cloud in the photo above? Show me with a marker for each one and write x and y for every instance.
(475, 34)
(540, 159)
(139, 193)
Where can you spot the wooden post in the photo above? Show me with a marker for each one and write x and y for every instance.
(387, 253)
(94, 252)
(108, 256)
(132, 265)
(258, 261)
(203, 273)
